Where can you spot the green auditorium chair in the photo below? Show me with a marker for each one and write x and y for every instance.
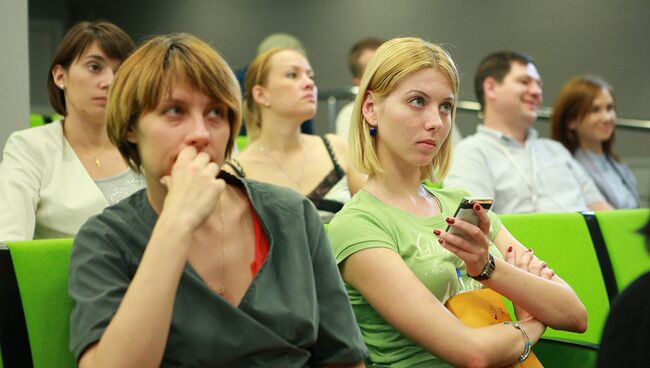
(626, 247)
(35, 307)
(241, 141)
(564, 241)
(36, 120)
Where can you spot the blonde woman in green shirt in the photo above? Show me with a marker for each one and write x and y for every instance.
(399, 264)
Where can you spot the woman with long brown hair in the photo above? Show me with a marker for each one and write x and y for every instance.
(584, 121)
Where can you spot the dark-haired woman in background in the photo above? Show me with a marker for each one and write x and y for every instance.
(52, 178)
(583, 120)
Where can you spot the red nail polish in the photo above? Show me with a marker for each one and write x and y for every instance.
(509, 249)
(450, 220)
(436, 231)
(441, 241)
(477, 207)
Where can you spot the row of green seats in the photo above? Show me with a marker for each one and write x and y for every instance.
(35, 308)
(38, 119)
(598, 255)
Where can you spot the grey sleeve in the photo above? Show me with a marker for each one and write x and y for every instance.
(587, 186)
(339, 338)
(470, 171)
(98, 281)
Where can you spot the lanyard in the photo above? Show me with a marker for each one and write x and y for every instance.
(532, 185)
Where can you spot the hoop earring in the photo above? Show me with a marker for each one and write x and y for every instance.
(373, 131)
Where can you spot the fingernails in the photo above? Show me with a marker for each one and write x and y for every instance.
(450, 220)
(477, 207)
(441, 241)
(437, 232)
(510, 249)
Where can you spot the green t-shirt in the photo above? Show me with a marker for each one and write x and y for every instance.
(366, 222)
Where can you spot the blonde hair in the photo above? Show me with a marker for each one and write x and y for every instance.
(257, 74)
(393, 61)
(152, 70)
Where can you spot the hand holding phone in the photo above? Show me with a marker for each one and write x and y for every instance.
(466, 213)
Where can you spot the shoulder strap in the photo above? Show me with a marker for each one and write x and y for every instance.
(330, 151)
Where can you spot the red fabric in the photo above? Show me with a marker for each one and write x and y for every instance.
(261, 245)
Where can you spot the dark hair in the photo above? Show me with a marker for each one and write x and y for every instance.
(573, 103)
(356, 51)
(496, 65)
(109, 37)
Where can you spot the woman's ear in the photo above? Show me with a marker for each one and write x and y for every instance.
(131, 136)
(572, 125)
(259, 95)
(368, 109)
(58, 75)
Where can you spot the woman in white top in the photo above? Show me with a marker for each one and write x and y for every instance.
(280, 94)
(584, 120)
(53, 177)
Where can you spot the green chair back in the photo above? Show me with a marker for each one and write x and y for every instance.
(36, 120)
(56, 117)
(241, 142)
(564, 242)
(558, 354)
(41, 272)
(626, 247)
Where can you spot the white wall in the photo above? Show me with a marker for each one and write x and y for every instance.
(14, 64)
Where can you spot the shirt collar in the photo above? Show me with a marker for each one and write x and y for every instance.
(531, 135)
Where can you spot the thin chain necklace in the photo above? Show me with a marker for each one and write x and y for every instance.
(79, 150)
(266, 151)
(221, 287)
(85, 153)
(222, 271)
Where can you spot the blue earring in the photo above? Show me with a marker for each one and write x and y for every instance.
(373, 131)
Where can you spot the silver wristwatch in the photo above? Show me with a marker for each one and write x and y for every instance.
(488, 269)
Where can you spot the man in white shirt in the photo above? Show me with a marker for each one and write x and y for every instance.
(358, 57)
(505, 159)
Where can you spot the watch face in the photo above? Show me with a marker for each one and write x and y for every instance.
(487, 270)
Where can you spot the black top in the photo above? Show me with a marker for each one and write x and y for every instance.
(626, 337)
(317, 195)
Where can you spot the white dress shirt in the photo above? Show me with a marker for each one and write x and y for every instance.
(537, 176)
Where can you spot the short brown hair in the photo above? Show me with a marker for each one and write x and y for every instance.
(573, 103)
(356, 51)
(110, 38)
(497, 66)
(152, 70)
(395, 60)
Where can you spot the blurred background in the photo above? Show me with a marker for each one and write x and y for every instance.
(566, 38)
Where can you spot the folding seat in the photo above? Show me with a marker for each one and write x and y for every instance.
(35, 306)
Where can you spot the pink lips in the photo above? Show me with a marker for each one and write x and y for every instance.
(428, 143)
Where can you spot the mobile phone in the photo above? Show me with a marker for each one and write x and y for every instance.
(466, 213)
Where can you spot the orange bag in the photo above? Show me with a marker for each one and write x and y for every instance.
(485, 307)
